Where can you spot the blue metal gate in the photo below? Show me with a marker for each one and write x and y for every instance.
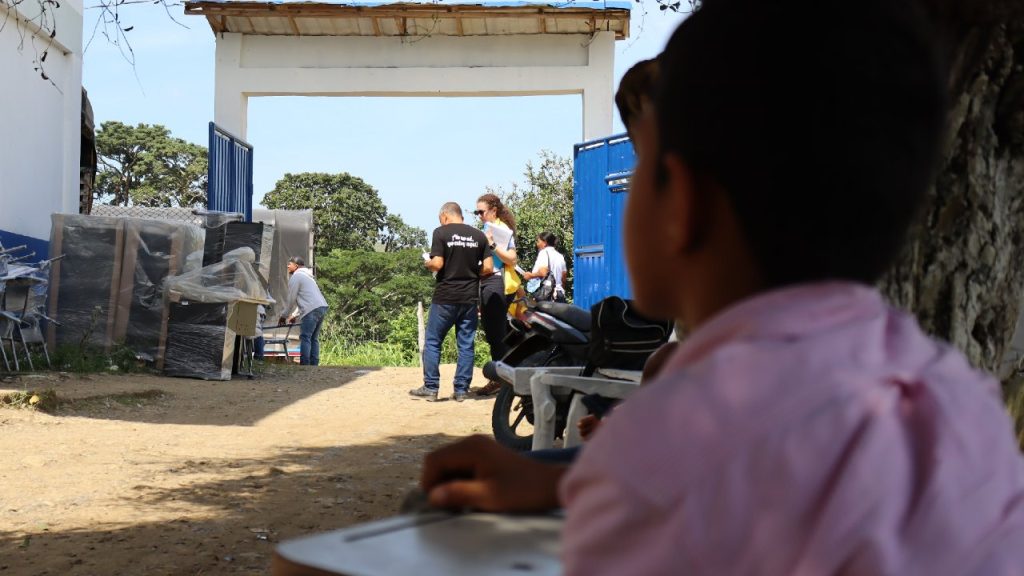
(601, 172)
(229, 188)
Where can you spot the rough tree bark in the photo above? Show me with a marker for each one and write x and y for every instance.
(962, 273)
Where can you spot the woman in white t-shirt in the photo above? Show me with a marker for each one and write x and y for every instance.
(549, 259)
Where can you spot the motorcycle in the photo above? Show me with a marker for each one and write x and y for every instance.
(547, 334)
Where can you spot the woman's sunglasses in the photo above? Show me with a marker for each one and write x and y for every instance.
(479, 212)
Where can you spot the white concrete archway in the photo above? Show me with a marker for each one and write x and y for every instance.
(432, 50)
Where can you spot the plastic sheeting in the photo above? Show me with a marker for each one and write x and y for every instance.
(204, 306)
(230, 236)
(214, 219)
(153, 252)
(293, 236)
(235, 278)
(199, 343)
(109, 286)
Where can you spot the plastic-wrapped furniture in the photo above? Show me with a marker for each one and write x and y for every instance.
(199, 342)
(109, 286)
(153, 251)
(209, 308)
(84, 286)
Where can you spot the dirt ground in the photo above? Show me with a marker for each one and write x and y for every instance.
(138, 474)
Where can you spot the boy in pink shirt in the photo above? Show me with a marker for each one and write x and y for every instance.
(805, 426)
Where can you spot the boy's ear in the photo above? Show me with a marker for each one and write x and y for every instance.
(684, 201)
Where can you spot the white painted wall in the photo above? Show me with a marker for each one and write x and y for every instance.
(526, 65)
(40, 124)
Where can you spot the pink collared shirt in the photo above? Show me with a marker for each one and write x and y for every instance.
(810, 430)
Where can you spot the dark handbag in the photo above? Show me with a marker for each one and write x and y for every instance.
(545, 291)
(621, 338)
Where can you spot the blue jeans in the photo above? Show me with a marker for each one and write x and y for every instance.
(309, 337)
(555, 455)
(442, 317)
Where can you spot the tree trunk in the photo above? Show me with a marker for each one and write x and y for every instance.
(962, 272)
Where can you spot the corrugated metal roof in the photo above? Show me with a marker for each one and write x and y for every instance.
(557, 4)
(365, 18)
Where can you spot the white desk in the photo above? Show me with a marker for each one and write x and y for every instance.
(520, 376)
(544, 383)
(435, 543)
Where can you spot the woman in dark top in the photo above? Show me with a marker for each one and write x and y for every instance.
(500, 227)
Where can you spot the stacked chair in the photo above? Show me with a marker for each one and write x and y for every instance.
(22, 301)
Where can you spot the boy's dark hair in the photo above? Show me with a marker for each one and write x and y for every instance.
(635, 88)
(298, 261)
(821, 120)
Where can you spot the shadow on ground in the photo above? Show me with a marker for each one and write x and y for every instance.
(156, 399)
(230, 525)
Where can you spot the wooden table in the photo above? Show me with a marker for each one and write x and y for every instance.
(438, 543)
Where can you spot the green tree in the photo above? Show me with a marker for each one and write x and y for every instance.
(348, 213)
(145, 166)
(367, 289)
(397, 235)
(373, 298)
(544, 203)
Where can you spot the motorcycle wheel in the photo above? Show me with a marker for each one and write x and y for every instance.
(511, 412)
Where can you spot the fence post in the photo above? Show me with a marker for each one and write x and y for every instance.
(421, 334)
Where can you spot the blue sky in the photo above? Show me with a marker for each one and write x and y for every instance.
(417, 152)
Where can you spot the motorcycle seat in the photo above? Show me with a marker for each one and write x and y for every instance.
(574, 316)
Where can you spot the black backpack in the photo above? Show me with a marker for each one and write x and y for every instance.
(621, 338)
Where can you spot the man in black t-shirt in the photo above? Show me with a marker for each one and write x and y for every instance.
(459, 254)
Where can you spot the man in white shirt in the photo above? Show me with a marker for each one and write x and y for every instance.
(305, 295)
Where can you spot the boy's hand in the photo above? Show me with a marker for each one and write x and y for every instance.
(479, 473)
(588, 425)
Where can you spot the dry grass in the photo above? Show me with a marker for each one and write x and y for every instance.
(45, 401)
(48, 401)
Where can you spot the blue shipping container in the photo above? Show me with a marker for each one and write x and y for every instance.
(229, 185)
(601, 173)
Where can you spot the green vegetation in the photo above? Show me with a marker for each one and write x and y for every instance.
(543, 204)
(348, 213)
(145, 166)
(90, 360)
(373, 290)
(397, 348)
(369, 266)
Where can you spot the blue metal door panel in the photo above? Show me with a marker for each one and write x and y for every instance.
(601, 172)
(229, 187)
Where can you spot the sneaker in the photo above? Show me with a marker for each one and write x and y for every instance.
(490, 389)
(459, 396)
(424, 392)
